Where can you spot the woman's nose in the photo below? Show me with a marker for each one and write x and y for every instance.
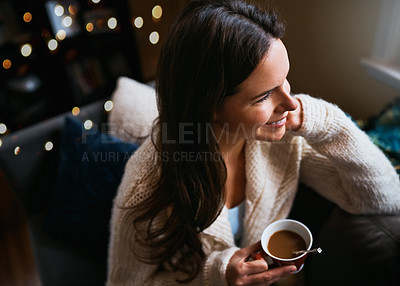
(288, 103)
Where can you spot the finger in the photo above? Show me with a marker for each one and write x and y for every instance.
(270, 276)
(256, 266)
(253, 248)
(257, 255)
(251, 251)
(295, 118)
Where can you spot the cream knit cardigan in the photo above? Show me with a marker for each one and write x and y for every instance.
(329, 153)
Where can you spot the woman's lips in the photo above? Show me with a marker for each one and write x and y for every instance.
(277, 124)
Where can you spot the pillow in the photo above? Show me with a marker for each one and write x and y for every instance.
(384, 131)
(134, 111)
(90, 170)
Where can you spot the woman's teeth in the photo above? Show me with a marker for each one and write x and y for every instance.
(277, 122)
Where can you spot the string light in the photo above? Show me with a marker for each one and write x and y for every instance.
(52, 45)
(154, 37)
(72, 9)
(67, 21)
(3, 128)
(6, 64)
(96, 1)
(89, 27)
(48, 146)
(88, 124)
(112, 23)
(26, 50)
(17, 150)
(108, 105)
(138, 22)
(1, 142)
(75, 111)
(59, 10)
(157, 12)
(61, 35)
(27, 17)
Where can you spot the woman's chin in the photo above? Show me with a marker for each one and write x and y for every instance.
(271, 135)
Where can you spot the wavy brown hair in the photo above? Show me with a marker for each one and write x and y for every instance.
(212, 47)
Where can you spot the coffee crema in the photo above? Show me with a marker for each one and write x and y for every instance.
(283, 243)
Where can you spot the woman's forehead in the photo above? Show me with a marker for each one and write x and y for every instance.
(270, 72)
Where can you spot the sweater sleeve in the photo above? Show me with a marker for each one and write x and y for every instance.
(124, 267)
(341, 163)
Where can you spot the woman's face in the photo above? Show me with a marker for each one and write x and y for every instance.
(259, 109)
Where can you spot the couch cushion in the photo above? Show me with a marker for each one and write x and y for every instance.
(134, 111)
(357, 250)
(32, 172)
(90, 171)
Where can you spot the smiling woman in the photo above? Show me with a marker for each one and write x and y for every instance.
(171, 217)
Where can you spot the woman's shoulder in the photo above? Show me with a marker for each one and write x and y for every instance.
(140, 176)
(288, 142)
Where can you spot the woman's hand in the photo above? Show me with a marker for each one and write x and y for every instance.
(241, 271)
(294, 119)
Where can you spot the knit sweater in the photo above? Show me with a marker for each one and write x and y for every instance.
(329, 153)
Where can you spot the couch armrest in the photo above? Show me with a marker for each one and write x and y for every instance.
(32, 171)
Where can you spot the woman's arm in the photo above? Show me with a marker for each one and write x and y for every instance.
(341, 163)
(222, 263)
(124, 268)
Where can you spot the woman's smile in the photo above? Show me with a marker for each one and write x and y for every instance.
(277, 124)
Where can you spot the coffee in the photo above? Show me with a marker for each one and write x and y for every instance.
(283, 243)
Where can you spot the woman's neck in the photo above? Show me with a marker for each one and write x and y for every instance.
(231, 151)
(230, 148)
(235, 184)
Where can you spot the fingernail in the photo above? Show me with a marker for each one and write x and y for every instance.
(293, 269)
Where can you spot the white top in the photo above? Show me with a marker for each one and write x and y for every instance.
(235, 217)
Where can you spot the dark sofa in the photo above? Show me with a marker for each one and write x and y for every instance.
(357, 250)
(32, 175)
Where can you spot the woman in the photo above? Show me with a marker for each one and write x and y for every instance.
(231, 136)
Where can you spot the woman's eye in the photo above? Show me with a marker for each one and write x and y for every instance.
(265, 97)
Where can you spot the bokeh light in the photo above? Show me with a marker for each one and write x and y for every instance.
(27, 17)
(59, 10)
(157, 12)
(108, 105)
(138, 22)
(6, 64)
(154, 37)
(3, 128)
(89, 27)
(112, 23)
(61, 35)
(48, 146)
(17, 150)
(75, 111)
(67, 21)
(88, 124)
(52, 45)
(26, 50)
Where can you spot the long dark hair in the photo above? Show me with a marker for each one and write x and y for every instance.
(212, 47)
